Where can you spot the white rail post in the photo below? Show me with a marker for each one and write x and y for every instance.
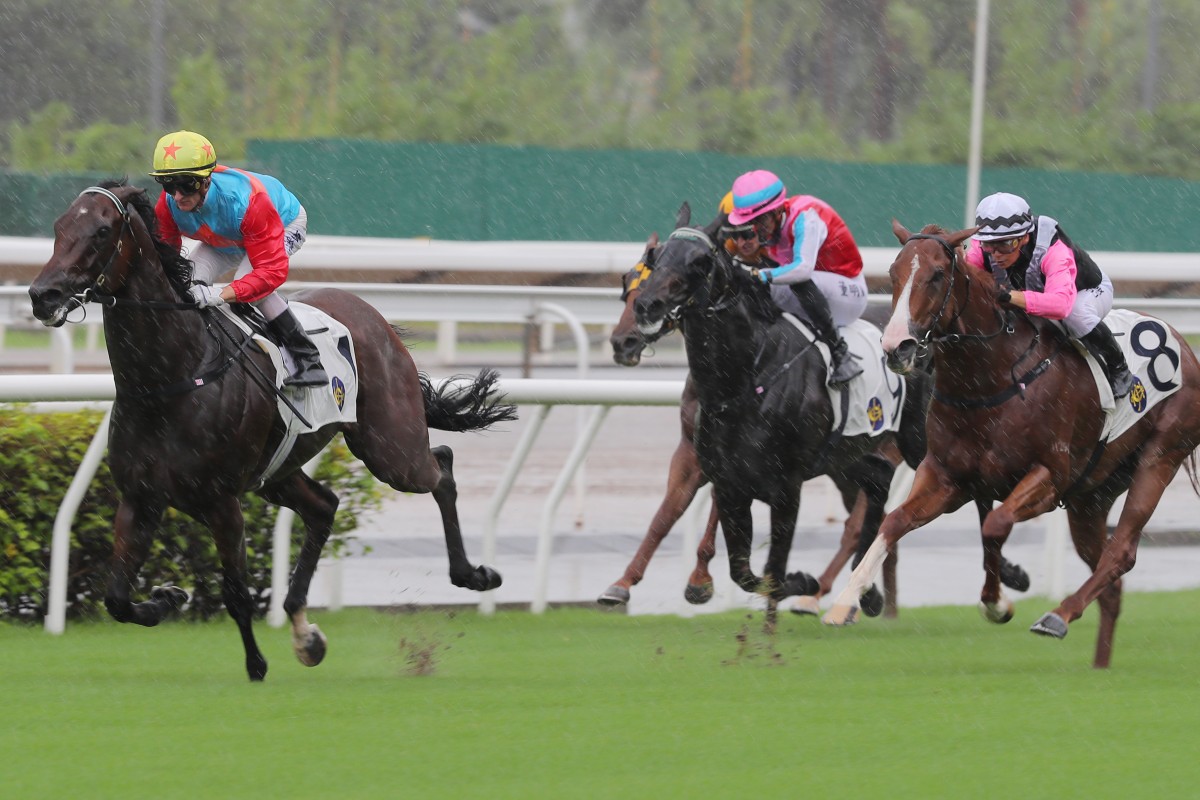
(546, 531)
(60, 541)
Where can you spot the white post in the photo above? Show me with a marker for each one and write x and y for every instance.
(447, 341)
(546, 532)
(60, 542)
(281, 557)
(1058, 536)
(978, 88)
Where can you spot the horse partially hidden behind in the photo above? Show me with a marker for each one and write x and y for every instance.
(685, 478)
(198, 444)
(1017, 417)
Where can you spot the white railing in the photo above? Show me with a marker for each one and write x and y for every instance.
(544, 395)
(355, 253)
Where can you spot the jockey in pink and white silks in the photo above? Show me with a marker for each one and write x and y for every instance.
(246, 223)
(817, 256)
(1038, 268)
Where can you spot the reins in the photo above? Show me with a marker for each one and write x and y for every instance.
(1007, 327)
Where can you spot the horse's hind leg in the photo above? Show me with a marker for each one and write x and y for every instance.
(224, 518)
(133, 531)
(700, 583)
(316, 505)
(1089, 532)
(445, 492)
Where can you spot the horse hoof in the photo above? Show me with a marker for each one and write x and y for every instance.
(807, 605)
(256, 668)
(481, 579)
(999, 612)
(800, 583)
(614, 596)
(172, 596)
(1050, 624)
(310, 650)
(1015, 578)
(871, 601)
(698, 594)
(841, 615)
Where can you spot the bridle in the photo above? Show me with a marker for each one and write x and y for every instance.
(1005, 318)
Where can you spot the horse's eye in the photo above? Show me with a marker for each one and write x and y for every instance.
(936, 277)
(103, 232)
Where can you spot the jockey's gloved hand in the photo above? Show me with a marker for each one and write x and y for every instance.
(1003, 295)
(206, 296)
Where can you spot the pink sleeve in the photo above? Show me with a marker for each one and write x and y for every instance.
(1056, 302)
(975, 254)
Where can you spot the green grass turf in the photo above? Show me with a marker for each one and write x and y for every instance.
(579, 703)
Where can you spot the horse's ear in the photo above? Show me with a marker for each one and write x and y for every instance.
(955, 239)
(684, 216)
(901, 232)
(652, 242)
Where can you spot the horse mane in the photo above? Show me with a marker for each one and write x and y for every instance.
(177, 268)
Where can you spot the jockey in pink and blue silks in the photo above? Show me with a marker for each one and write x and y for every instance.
(246, 223)
(1042, 271)
(817, 256)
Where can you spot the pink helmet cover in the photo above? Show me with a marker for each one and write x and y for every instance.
(754, 194)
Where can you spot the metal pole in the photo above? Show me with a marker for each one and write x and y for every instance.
(978, 87)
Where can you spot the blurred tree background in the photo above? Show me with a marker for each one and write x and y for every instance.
(1098, 85)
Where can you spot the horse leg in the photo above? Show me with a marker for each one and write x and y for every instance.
(851, 532)
(133, 531)
(1150, 480)
(874, 477)
(737, 525)
(223, 516)
(1089, 532)
(931, 496)
(1035, 494)
(316, 505)
(683, 481)
(700, 583)
(1011, 575)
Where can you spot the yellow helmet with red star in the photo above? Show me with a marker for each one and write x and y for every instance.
(184, 153)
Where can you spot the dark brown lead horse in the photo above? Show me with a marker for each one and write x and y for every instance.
(1016, 417)
(198, 448)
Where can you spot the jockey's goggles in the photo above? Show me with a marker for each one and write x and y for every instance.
(1001, 247)
(746, 232)
(181, 184)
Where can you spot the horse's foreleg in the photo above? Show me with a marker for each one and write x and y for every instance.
(316, 505)
(931, 496)
(1035, 494)
(780, 584)
(700, 583)
(737, 525)
(133, 531)
(223, 516)
(683, 480)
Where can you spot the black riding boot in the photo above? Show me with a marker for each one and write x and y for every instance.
(843, 368)
(1101, 343)
(309, 372)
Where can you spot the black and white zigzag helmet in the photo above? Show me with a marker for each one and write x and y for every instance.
(1002, 216)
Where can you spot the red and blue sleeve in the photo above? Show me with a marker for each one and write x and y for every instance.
(262, 238)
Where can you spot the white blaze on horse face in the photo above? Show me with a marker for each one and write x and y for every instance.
(897, 327)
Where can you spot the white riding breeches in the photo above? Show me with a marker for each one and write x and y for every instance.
(1091, 307)
(211, 263)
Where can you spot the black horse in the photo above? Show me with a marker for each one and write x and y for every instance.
(766, 422)
(194, 422)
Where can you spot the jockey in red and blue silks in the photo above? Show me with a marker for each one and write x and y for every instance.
(817, 256)
(246, 223)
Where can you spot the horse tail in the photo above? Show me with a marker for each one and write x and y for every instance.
(1190, 466)
(471, 406)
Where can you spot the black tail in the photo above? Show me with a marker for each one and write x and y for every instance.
(472, 407)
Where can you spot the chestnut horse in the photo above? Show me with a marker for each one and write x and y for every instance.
(1016, 417)
(194, 423)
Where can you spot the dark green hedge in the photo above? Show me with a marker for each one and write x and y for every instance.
(39, 454)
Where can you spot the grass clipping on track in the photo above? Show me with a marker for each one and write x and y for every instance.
(579, 703)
